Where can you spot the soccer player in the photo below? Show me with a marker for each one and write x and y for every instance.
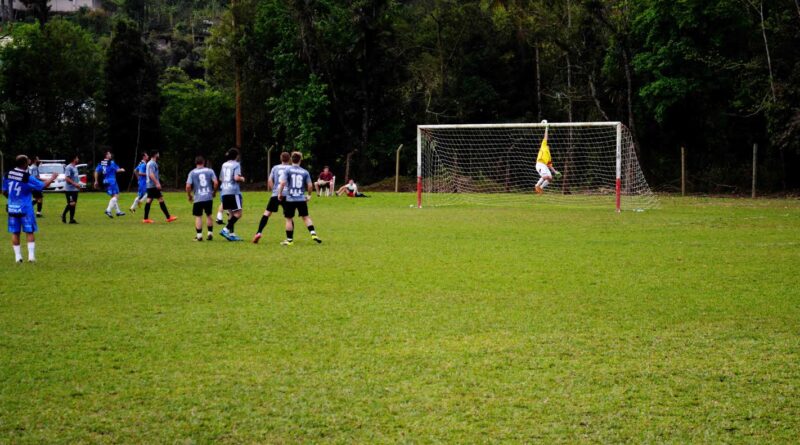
(154, 190)
(72, 184)
(141, 175)
(296, 181)
(17, 187)
(230, 176)
(109, 169)
(544, 165)
(201, 186)
(38, 197)
(325, 179)
(273, 182)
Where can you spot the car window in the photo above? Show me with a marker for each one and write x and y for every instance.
(51, 168)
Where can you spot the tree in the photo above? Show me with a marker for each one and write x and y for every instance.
(49, 82)
(132, 94)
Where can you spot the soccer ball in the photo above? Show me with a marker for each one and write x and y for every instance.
(544, 121)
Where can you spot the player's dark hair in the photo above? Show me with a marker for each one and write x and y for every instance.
(199, 160)
(232, 154)
(144, 153)
(285, 156)
(74, 157)
(21, 161)
(296, 157)
(326, 167)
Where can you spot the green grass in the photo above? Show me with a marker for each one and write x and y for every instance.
(459, 324)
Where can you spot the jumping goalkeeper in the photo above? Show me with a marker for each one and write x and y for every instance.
(544, 165)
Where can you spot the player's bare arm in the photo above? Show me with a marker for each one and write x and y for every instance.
(189, 192)
(280, 190)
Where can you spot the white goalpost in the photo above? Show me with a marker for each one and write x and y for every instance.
(495, 164)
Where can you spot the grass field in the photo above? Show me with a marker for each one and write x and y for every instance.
(459, 324)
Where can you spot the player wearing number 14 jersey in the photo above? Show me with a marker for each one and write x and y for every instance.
(201, 185)
(17, 187)
(295, 190)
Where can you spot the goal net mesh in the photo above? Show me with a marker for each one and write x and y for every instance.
(496, 165)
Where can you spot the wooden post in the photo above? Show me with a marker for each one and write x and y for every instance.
(755, 169)
(397, 170)
(683, 171)
(269, 160)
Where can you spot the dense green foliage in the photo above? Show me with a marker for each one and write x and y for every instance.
(337, 78)
(444, 325)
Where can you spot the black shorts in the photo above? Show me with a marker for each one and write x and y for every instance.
(290, 206)
(199, 207)
(71, 197)
(273, 204)
(37, 194)
(232, 202)
(154, 193)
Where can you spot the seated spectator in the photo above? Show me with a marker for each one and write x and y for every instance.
(325, 180)
(351, 189)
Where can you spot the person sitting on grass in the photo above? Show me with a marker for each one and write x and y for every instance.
(351, 189)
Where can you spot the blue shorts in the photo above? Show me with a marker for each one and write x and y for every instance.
(142, 189)
(112, 189)
(25, 223)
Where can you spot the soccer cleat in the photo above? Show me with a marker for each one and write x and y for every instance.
(172, 218)
(147, 221)
(198, 238)
(19, 261)
(64, 219)
(220, 222)
(33, 261)
(224, 233)
(72, 221)
(132, 209)
(39, 214)
(120, 213)
(539, 190)
(210, 237)
(234, 237)
(316, 238)
(108, 214)
(287, 242)
(256, 238)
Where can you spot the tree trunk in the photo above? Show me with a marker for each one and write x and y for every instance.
(538, 80)
(593, 91)
(629, 85)
(797, 5)
(766, 49)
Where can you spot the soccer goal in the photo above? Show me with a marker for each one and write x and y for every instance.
(495, 164)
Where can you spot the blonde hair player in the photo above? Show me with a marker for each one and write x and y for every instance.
(544, 164)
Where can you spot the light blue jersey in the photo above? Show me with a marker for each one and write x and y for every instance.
(108, 168)
(152, 169)
(297, 180)
(227, 176)
(275, 175)
(33, 170)
(142, 177)
(71, 172)
(202, 182)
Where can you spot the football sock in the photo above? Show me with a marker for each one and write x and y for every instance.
(64, 213)
(17, 254)
(31, 249)
(263, 223)
(231, 222)
(110, 205)
(311, 229)
(199, 233)
(163, 206)
(72, 213)
(39, 207)
(210, 229)
(116, 204)
(539, 183)
(545, 183)
(290, 235)
(147, 210)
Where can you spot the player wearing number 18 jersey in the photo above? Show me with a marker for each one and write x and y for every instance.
(202, 182)
(295, 190)
(273, 182)
(230, 176)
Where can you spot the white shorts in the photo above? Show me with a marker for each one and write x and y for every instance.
(543, 170)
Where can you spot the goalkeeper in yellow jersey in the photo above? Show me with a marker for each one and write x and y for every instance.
(544, 165)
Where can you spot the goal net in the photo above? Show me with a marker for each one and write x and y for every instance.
(495, 164)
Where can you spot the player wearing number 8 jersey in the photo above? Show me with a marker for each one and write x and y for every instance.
(201, 185)
(295, 190)
(230, 176)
